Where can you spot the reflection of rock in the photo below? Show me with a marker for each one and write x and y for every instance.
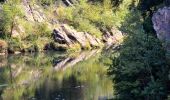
(62, 64)
(34, 75)
(3, 61)
(20, 70)
(17, 71)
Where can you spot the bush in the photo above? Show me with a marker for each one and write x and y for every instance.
(10, 11)
(74, 48)
(42, 30)
(86, 17)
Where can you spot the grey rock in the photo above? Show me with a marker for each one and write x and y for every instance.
(67, 35)
(33, 12)
(75, 36)
(112, 37)
(61, 37)
(161, 24)
(92, 40)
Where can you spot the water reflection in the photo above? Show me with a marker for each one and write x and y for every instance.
(54, 76)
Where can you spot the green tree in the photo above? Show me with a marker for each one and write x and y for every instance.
(139, 70)
(11, 11)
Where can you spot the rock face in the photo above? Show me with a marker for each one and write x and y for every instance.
(112, 37)
(33, 12)
(69, 36)
(161, 24)
(64, 37)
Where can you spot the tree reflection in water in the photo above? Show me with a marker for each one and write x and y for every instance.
(50, 76)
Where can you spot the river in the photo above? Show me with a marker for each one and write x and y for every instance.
(55, 76)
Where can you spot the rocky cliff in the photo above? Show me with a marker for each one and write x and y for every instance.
(64, 37)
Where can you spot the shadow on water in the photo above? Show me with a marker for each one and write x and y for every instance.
(54, 76)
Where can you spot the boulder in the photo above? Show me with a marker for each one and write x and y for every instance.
(117, 34)
(67, 35)
(75, 36)
(94, 42)
(64, 34)
(161, 24)
(61, 37)
(3, 47)
(114, 36)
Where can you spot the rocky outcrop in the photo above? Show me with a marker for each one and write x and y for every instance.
(33, 12)
(112, 37)
(161, 24)
(69, 36)
(64, 36)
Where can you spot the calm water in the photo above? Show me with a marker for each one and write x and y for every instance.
(55, 76)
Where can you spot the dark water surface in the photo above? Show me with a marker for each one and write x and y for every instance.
(55, 76)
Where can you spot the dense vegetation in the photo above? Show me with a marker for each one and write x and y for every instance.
(92, 17)
(139, 69)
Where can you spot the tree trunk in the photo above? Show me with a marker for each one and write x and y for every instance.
(12, 26)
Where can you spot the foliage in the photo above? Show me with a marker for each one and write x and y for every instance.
(92, 17)
(148, 8)
(139, 70)
(75, 47)
(11, 10)
(46, 2)
(42, 30)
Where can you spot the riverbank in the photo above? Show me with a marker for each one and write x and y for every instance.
(33, 27)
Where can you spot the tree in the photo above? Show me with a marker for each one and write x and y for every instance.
(11, 10)
(139, 71)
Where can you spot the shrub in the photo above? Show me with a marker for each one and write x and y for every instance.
(14, 45)
(10, 10)
(86, 17)
(94, 16)
(42, 30)
(75, 47)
